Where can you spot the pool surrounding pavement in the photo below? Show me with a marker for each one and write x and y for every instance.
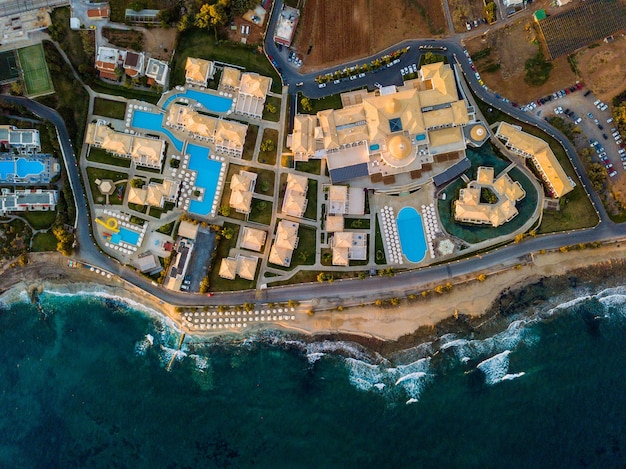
(208, 100)
(27, 169)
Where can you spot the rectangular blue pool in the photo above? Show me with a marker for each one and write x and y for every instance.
(208, 173)
(412, 236)
(125, 235)
(208, 100)
(153, 121)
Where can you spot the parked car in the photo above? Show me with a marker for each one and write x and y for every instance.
(605, 136)
(613, 174)
(322, 85)
(596, 102)
(587, 93)
(608, 121)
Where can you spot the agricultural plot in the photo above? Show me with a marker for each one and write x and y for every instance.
(36, 75)
(588, 22)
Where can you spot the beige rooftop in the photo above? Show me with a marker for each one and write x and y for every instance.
(285, 242)
(253, 239)
(101, 135)
(246, 266)
(188, 230)
(198, 71)
(228, 268)
(231, 78)
(295, 201)
(541, 154)
(255, 85)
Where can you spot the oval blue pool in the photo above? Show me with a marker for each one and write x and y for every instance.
(209, 100)
(412, 237)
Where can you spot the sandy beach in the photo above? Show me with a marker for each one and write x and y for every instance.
(470, 297)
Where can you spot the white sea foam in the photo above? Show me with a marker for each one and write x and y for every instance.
(313, 357)
(509, 377)
(143, 345)
(411, 401)
(363, 375)
(495, 368)
(411, 376)
(167, 354)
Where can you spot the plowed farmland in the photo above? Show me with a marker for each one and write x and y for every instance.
(340, 30)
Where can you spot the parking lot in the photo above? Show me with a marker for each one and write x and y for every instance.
(595, 121)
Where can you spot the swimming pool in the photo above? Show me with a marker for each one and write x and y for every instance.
(412, 237)
(20, 168)
(125, 235)
(152, 121)
(209, 101)
(207, 177)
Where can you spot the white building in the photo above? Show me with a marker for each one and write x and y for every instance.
(29, 199)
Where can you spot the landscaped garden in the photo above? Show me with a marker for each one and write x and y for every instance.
(98, 155)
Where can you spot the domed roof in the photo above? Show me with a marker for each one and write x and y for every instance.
(399, 146)
(478, 132)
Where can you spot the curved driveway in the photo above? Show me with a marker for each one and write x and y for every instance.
(367, 289)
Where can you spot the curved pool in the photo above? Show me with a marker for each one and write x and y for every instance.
(210, 101)
(412, 236)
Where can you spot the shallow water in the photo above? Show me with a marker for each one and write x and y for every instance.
(88, 386)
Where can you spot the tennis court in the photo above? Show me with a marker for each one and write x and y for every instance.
(8, 67)
(36, 75)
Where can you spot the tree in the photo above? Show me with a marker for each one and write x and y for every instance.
(306, 104)
(185, 23)
(16, 88)
(481, 278)
(211, 16)
(224, 210)
(490, 12)
(268, 145)
(293, 303)
(269, 107)
(22, 260)
(136, 183)
(205, 285)
(227, 232)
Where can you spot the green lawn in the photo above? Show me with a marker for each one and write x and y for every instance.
(108, 108)
(39, 220)
(250, 142)
(356, 223)
(221, 251)
(269, 157)
(96, 173)
(380, 249)
(311, 195)
(272, 116)
(265, 180)
(304, 254)
(99, 155)
(44, 242)
(328, 102)
(311, 166)
(201, 44)
(260, 211)
(102, 87)
(576, 211)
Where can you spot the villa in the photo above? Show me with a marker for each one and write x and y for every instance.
(242, 187)
(22, 140)
(133, 63)
(250, 89)
(244, 266)
(27, 200)
(295, 201)
(253, 239)
(541, 155)
(390, 131)
(154, 194)
(284, 244)
(348, 246)
(106, 62)
(344, 200)
(157, 71)
(470, 209)
(143, 151)
(199, 71)
(228, 136)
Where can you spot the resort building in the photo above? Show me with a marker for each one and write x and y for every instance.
(23, 141)
(541, 155)
(178, 266)
(469, 208)
(188, 230)
(241, 189)
(157, 72)
(250, 90)
(148, 264)
(295, 201)
(286, 26)
(143, 151)
(27, 200)
(285, 242)
(334, 223)
(133, 63)
(154, 194)
(348, 246)
(253, 90)
(199, 71)
(389, 131)
(253, 239)
(228, 136)
(344, 200)
(106, 62)
(244, 266)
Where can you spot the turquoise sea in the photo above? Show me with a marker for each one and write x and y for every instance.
(86, 385)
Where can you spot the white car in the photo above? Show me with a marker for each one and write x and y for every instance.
(613, 174)
(361, 75)
(596, 102)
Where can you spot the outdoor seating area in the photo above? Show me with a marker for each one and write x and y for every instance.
(431, 225)
(390, 235)
(234, 319)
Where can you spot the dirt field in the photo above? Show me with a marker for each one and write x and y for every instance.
(603, 68)
(463, 11)
(254, 37)
(510, 47)
(159, 42)
(342, 30)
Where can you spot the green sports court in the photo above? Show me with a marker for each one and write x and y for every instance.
(8, 67)
(36, 75)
